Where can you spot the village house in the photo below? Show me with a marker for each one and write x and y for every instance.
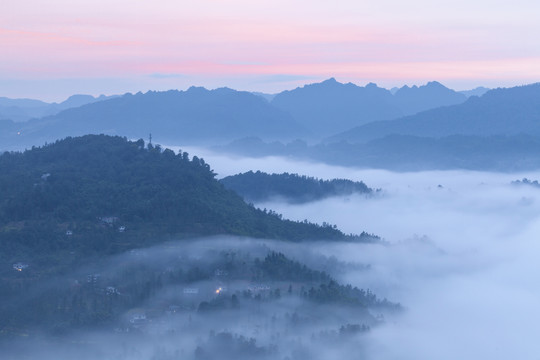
(221, 290)
(19, 266)
(111, 290)
(220, 272)
(191, 291)
(138, 318)
(108, 220)
(173, 309)
(93, 279)
(258, 287)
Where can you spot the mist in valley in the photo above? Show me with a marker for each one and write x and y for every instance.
(266, 180)
(209, 298)
(459, 252)
(454, 276)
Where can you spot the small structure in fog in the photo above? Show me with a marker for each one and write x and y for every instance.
(111, 290)
(258, 287)
(19, 266)
(173, 309)
(220, 272)
(221, 290)
(191, 291)
(92, 278)
(108, 220)
(138, 318)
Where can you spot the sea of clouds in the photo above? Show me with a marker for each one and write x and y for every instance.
(461, 254)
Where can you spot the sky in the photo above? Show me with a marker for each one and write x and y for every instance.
(56, 48)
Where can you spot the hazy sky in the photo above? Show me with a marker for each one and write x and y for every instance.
(55, 48)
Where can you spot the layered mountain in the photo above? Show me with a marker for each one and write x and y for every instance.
(196, 115)
(412, 100)
(478, 91)
(507, 111)
(330, 106)
(202, 117)
(408, 153)
(25, 109)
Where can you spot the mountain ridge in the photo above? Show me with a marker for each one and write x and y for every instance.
(502, 111)
(209, 117)
(20, 110)
(195, 115)
(331, 106)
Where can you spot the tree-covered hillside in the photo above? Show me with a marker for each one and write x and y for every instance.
(260, 186)
(178, 293)
(98, 194)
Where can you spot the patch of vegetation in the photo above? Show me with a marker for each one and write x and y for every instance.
(97, 195)
(260, 186)
(525, 181)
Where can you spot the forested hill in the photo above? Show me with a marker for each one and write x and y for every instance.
(100, 194)
(260, 186)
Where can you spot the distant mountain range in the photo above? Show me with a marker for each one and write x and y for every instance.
(508, 111)
(25, 109)
(479, 91)
(199, 116)
(408, 153)
(412, 100)
(499, 130)
(195, 116)
(331, 107)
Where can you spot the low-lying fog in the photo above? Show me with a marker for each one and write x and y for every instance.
(462, 255)
(459, 253)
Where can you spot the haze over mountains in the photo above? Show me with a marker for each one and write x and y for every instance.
(101, 234)
(478, 91)
(198, 115)
(497, 131)
(26, 109)
(379, 126)
(330, 106)
(509, 111)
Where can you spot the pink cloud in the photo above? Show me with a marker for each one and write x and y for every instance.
(350, 40)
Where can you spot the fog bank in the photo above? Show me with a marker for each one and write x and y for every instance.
(461, 255)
